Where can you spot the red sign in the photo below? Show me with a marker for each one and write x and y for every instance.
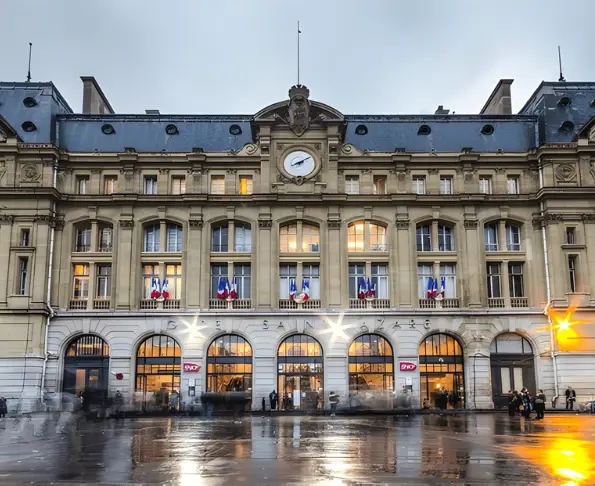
(191, 368)
(119, 376)
(407, 366)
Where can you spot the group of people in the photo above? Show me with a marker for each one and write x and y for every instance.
(523, 403)
(444, 398)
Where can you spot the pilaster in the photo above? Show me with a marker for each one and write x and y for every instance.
(124, 264)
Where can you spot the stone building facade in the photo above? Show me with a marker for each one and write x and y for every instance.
(99, 210)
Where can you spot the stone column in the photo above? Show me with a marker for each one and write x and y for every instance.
(502, 236)
(124, 264)
(39, 265)
(335, 272)
(434, 235)
(473, 264)
(264, 261)
(406, 265)
(5, 233)
(56, 264)
(505, 284)
(556, 260)
(92, 279)
(94, 236)
(162, 236)
(589, 275)
(193, 262)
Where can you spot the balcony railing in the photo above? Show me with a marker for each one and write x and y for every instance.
(105, 248)
(519, 302)
(78, 304)
(285, 304)
(101, 304)
(427, 304)
(450, 303)
(217, 304)
(358, 304)
(311, 304)
(242, 304)
(381, 304)
(496, 302)
(379, 247)
(243, 248)
(171, 304)
(82, 248)
(148, 304)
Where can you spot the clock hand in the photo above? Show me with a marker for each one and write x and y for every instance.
(299, 162)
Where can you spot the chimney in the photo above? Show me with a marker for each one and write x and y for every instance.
(152, 112)
(94, 101)
(441, 111)
(500, 101)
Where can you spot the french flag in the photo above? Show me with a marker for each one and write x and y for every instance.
(222, 290)
(155, 294)
(370, 291)
(233, 291)
(443, 286)
(305, 290)
(362, 288)
(435, 288)
(292, 289)
(165, 289)
(430, 288)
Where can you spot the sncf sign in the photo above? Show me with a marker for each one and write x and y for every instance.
(407, 366)
(191, 368)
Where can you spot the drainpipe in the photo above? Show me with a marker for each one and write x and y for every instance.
(549, 294)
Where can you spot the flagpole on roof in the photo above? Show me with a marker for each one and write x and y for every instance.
(298, 52)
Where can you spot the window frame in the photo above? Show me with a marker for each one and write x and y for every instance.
(445, 237)
(488, 184)
(150, 185)
(110, 184)
(81, 278)
(516, 279)
(154, 229)
(510, 228)
(82, 184)
(249, 185)
(379, 185)
(179, 237)
(513, 181)
(178, 181)
(490, 277)
(243, 280)
(217, 185)
(418, 182)
(490, 247)
(103, 280)
(23, 269)
(421, 237)
(352, 184)
(572, 273)
(446, 185)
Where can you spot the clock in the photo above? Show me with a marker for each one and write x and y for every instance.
(299, 163)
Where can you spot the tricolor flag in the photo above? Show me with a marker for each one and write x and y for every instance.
(305, 290)
(165, 289)
(430, 287)
(435, 288)
(362, 288)
(155, 294)
(370, 291)
(233, 291)
(222, 290)
(292, 289)
(443, 286)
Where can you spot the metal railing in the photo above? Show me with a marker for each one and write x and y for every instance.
(105, 248)
(285, 304)
(496, 302)
(242, 304)
(82, 248)
(427, 303)
(311, 304)
(147, 304)
(519, 302)
(78, 304)
(217, 304)
(101, 304)
(171, 304)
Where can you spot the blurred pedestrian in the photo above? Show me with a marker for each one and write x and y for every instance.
(3, 407)
(118, 402)
(540, 404)
(273, 399)
(513, 403)
(570, 398)
(334, 400)
(526, 403)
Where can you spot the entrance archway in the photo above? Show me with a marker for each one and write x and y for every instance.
(441, 367)
(86, 366)
(300, 373)
(158, 363)
(513, 366)
(371, 372)
(229, 365)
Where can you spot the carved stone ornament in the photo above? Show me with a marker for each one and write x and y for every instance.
(30, 173)
(471, 224)
(265, 224)
(552, 218)
(195, 223)
(96, 171)
(402, 224)
(468, 174)
(163, 171)
(6, 218)
(126, 223)
(298, 110)
(334, 224)
(538, 223)
(566, 173)
(588, 218)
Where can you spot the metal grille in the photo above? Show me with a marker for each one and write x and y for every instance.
(88, 345)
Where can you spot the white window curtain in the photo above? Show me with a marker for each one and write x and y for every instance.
(424, 273)
(450, 281)
(152, 237)
(312, 274)
(174, 237)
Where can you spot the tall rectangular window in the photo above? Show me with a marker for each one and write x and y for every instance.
(178, 185)
(418, 185)
(82, 184)
(572, 272)
(243, 280)
(424, 274)
(220, 238)
(379, 185)
(217, 184)
(287, 272)
(380, 279)
(23, 275)
(25, 239)
(150, 185)
(485, 185)
(110, 184)
(83, 240)
(218, 271)
(446, 238)
(493, 280)
(152, 238)
(288, 238)
(104, 281)
(513, 238)
(423, 238)
(351, 184)
(515, 279)
(312, 274)
(173, 274)
(150, 271)
(513, 185)
(448, 272)
(571, 236)
(446, 185)
(246, 185)
(174, 237)
(490, 234)
(105, 239)
(356, 271)
(243, 238)
(80, 285)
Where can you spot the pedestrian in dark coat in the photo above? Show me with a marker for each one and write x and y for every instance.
(512, 403)
(570, 398)
(3, 407)
(526, 399)
(273, 399)
(540, 404)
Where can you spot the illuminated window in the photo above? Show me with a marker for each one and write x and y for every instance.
(229, 365)
(80, 286)
(150, 271)
(310, 238)
(370, 364)
(158, 363)
(110, 184)
(246, 185)
(366, 236)
(217, 184)
(288, 238)
(173, 274)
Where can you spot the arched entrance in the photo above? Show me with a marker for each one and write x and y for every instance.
(86, 366)
(300, 373)
(158, 362)
(513, 368)
(229, 365)
(371, 373)
(441, 367)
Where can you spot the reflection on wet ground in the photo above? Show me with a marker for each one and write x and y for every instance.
(465, 449)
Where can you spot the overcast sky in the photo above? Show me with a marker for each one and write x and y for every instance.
(237, 56)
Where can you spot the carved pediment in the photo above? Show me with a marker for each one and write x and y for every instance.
(6, 131)
(587, 132)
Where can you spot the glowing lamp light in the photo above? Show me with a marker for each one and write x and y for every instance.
(438, 386)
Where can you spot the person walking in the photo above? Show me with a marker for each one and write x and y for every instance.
(273, 397)
(512, 403)
(540, 404)
(3, 407)
(334, 399)
(526, 401)
(570, 398)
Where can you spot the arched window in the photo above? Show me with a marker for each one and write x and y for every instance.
(86, 366)
(511, 343)
(299, 237)
(441, 370)
(492, 232)
(444, 232)
(239, 233)
(300, 373)
(158, 362)
(173, 237)
(82, 241)
(229, 365)
(366, 236)
(370, 365)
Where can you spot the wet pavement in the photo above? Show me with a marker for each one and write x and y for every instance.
(466, 449)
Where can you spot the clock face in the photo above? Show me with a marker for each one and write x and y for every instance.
(299, 163)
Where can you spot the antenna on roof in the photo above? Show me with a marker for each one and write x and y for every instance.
(561, 80)
(29, 71)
